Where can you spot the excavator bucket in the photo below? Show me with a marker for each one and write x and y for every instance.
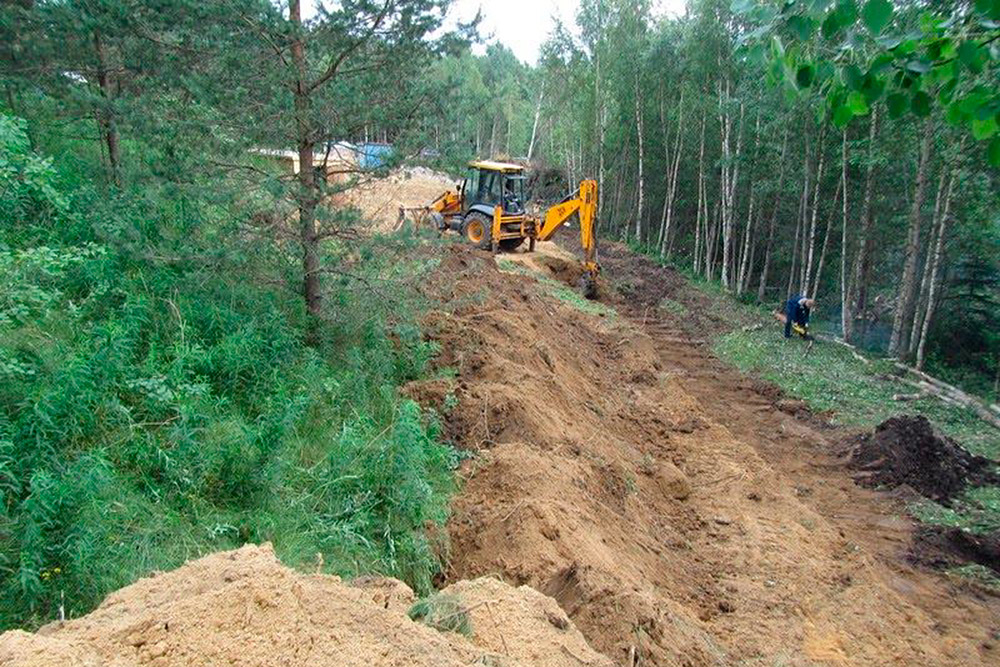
(588, 285)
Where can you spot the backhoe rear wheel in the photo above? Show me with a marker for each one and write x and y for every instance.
(476, 229)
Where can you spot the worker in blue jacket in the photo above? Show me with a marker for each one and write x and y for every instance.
(797, 311)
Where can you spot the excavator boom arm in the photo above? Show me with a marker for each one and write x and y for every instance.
(585, 203)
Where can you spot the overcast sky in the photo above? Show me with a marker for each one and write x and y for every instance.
(522, 24)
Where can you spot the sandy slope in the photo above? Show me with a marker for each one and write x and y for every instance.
(667, 502)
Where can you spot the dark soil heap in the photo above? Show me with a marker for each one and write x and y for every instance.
(907, 450)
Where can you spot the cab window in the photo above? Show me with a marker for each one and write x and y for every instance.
(489, 188)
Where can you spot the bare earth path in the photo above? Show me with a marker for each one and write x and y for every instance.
(680, 512)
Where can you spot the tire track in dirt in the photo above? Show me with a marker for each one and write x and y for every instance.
(665, 500)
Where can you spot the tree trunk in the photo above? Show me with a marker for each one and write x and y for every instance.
(862, 261)
(814, 289)
(728, 180)
(661, 239)
(935, 269)
(845, 315)
(701, 197)
(920, 300)
(668, 208)
(803, 212)
(638, 124)
(762, 287)
(106, 115)
(748, 229)
(713, 238)
(599, 117)
(308, 196)
(534, 126)
(809, 246)
(907, 285)
(493, 138)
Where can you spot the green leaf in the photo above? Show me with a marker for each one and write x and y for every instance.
(921, 103)
(824, 71)
(842, 116)
(897, 103)
(968, 53)
(918, 66)
(844, 15)
(853, 77)
(858, 104)
(984, 129)
(802, 26)
(881, 64)
(874, 87)
(742, 6)
(970, 103)
(831, 25)
(948, 90)
(889, 42)
(876, 14)
(848, 10)
(954, 116)
(993, 152)
(777, 48)
(804, 76)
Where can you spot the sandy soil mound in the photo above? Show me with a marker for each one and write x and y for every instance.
(907, 450)
(380, 199)
(669, 505)
(244, 608)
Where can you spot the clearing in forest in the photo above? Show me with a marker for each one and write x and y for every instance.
(678, 510)
(661, 507)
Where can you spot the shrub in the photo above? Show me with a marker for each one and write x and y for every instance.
(157, 402)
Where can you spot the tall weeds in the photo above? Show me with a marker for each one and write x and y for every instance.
(157, 401)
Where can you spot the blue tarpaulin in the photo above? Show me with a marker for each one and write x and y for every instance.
(373, 155)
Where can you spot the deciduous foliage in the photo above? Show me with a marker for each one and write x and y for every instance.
(801, 147)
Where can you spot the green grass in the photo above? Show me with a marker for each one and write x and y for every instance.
(668, 305)
(830, 379)
(979, 574)
(976, 511)
(442, 612)
(854, 393)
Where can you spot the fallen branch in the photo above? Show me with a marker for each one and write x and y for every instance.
(949, 394)
(909, 397)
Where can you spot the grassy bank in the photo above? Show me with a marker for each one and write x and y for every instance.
(832, 380)
(159, 399)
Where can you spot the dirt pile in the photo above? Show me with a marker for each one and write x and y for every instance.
(379, 199)
(669, 505)
(907, 450)
(245, 608)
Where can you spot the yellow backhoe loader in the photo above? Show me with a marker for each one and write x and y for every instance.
(489, 211)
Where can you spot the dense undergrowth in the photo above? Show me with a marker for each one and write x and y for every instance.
(158, 399)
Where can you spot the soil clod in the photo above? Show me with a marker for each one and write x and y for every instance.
(907, 450)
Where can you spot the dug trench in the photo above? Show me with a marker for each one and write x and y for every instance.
(680, 512)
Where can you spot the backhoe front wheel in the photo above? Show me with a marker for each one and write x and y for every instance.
(476, 229)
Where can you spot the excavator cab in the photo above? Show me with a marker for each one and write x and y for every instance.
(491, 186)
(489, 211)
(486, 189)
